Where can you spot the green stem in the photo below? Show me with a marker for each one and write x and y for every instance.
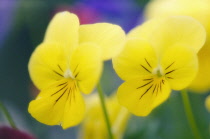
(7, 115)
(189, 114)
(101, 95)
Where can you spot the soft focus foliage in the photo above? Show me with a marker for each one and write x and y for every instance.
(198, 9)
(207, 103)
(159, 56)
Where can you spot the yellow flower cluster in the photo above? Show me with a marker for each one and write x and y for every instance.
(199, 10)
(154, 58)
(68, 62)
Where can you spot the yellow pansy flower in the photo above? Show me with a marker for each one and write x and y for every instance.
(159, 56)
(200, 10)
(94, 126)
(69, 61)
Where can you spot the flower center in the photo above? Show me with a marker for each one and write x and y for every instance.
(68, 74)
(158, 71)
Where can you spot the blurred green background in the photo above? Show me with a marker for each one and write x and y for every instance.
(22, 27)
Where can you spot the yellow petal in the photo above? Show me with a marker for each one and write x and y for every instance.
(180, 65)
(94, 126)
(137, 58)
(179, 30)
(74, 109)
(53, 104)
(109, 37)
(63, 30)
(207, 103)
(144, 31)
(47, 64)
(48, 107)
(140, 96)
(173, 31)
(199, 9)
(86, 64)
(201, 83)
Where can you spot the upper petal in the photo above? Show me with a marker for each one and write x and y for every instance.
(145, 30)
(140, 96)
(86, 64)
(109, 37)
(47, 64)
(179, 30)
(63, 29)
(180, 66)
(198, 9)
(137, 58)
(172, 31)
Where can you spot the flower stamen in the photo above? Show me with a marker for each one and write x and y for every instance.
(68, 74)
(158, 71)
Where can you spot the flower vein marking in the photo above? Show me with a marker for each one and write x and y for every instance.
(75, 72)
(144, 85)
(160, 88)
(60, 68)
(70, 93)
(145, 68)
(154, 89)
(169, 77)
(60, 96)
(57, 73)
(147, 79)
(170, 71)
(157, 87)
(59, 89)
(146, 91)
(61, 84)
(170, 65)
(148, 63)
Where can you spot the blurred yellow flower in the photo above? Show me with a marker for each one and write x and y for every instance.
(207, 103)
(94, 126)
(68, 62)
(159, 56)
(200, 10)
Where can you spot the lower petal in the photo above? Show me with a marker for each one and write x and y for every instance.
(47, 108)
(54, 104)
(74, 110)
(142, 95)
